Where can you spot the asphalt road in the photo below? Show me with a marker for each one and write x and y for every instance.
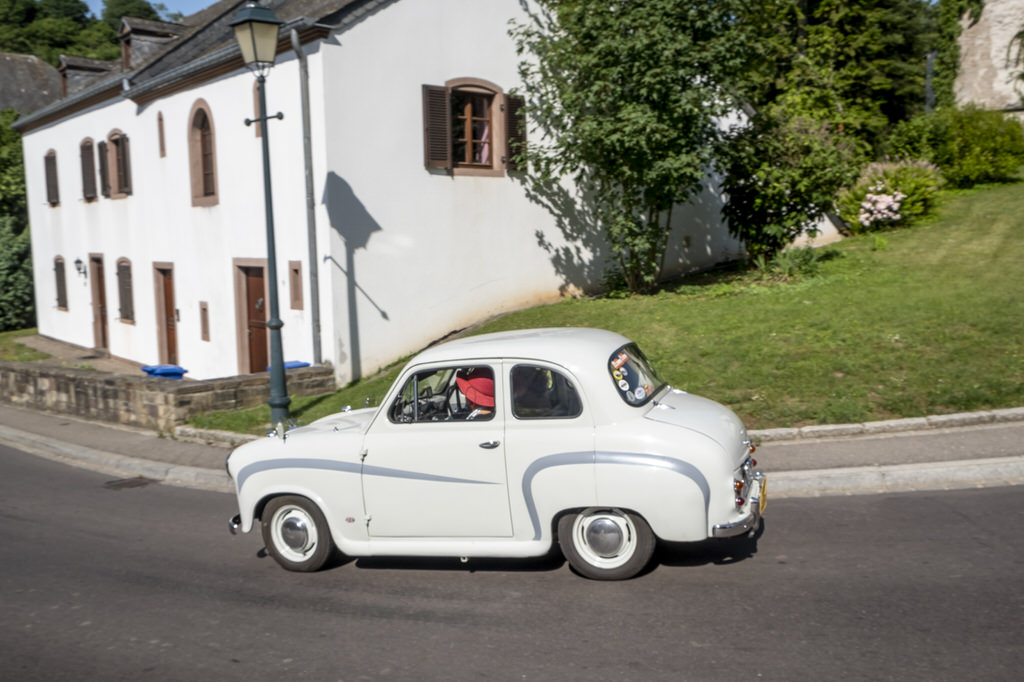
(110, 580)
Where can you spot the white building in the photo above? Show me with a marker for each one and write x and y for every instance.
(147, 204)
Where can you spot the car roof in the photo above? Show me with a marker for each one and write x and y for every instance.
(567, 346)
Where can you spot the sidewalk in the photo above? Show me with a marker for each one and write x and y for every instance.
(981, 449)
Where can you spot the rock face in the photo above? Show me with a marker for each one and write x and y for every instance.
(988, 76)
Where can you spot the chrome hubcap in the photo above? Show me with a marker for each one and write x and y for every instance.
(604, 536)
(294, 533)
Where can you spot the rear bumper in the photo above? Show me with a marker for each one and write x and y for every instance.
(755, 507)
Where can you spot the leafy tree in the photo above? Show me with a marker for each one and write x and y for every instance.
(12, 172)
(627, 95)
(113, 10)
(859, 64)
(16, 299)
(17, 309)
(781, 176)
(76, 10)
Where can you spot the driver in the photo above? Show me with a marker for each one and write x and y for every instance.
(479, 392)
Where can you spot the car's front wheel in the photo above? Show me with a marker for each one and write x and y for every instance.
(296, 533)
(606, 544)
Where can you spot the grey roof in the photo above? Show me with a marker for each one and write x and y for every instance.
(27, 83)
(163, 28)
(206, 39)
(87, 64)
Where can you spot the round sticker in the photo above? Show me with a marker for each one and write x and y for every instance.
(623, 384)
(617, 375)
(640, 393)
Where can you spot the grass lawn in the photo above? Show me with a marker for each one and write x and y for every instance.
(12, 351)
(925, 320)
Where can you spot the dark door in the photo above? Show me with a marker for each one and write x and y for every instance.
(168, 313)
(99, 304)
(256, 318)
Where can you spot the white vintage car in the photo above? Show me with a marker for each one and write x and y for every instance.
(499, 445)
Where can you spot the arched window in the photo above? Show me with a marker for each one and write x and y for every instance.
(115, 166)
(62, 283)
(472, 127)
(52, 191)
(160, 133)
(88, 169)
(202, 156)
(124, 290)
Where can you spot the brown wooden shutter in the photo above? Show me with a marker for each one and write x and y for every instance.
(437, 127)
(515, 126)
(124, 166)
(52, 192)
(101, 148)
(88, 172)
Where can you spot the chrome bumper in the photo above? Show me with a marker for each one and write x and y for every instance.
(235, 523)
(750, 521)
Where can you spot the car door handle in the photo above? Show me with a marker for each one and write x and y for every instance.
(490, 445)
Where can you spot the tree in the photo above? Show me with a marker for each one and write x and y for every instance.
(627, 95)
(16, 298)
(17, 310)
(781, 176)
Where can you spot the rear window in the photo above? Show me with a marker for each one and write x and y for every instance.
(634, 378)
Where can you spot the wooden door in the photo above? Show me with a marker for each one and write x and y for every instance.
(167, 314)
(256, 318)
(99, 304)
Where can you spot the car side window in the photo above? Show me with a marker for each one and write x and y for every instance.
(542, 393)
(447, 394)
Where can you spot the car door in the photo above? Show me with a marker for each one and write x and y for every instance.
(431, 468)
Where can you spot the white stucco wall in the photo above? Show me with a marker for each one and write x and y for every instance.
(157, 222)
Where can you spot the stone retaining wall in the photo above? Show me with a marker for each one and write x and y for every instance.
(152, 403)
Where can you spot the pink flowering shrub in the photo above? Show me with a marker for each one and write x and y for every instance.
(889, 194)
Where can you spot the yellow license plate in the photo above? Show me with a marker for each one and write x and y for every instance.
(763, 503)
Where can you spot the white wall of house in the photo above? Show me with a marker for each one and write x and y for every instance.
(406, 255)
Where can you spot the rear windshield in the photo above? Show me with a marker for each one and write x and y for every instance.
(635, 379)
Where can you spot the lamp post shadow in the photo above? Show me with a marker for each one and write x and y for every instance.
(350, 219)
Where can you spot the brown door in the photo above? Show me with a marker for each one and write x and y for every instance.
(256, 318)
(99, 304)
(168, 313)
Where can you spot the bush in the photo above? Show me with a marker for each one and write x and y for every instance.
(781, 176)
(969, 145)
(890, 194)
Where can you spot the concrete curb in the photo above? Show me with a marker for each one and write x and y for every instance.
(117, 465)
(942, 421)
(870, 480)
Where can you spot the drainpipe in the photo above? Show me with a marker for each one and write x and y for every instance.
(307, 148)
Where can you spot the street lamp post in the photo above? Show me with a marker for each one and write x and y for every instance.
(256, 29)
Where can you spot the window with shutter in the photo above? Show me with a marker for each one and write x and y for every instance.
(115, 166)
(202, 155)
(124, 290)
(101, 149)
(62, 285)
(88, 170)
(470, 127)
(160, 134)
(52, 192)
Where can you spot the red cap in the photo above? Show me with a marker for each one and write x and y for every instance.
(479, 389)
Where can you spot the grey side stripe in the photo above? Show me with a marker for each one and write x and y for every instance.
(346, 467)
(628, 458)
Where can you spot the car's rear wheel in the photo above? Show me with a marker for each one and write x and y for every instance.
(296, 533)
(606, 544)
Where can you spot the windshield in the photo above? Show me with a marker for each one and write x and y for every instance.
(633, 375)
